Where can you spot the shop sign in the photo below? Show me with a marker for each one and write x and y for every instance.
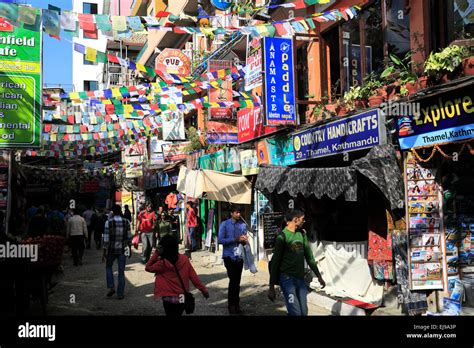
(173, 61)
(358, 132)
(249, 162)
(174, 152)
(253, 68)
(279, 81)
(441, 119)
(20, 87)
(277, 151)
(226, 160)
(221, 133)
(250, 124)
(173, 125)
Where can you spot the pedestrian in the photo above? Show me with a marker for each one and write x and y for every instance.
(291, 250)
(77, 233)
(87, 215)
(116, 239)
(232, 232)
(56, 222)
(191, 224)
(98, 225)
(173, 271)
(127, 214)
(38, 225)
(163, 227)
(146, 223)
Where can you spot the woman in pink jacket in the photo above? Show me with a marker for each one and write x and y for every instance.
(167, 283)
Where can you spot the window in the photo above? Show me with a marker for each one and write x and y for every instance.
(91, 85)
(87, 62)
(451, 20)
(89, 8)
(359, 46)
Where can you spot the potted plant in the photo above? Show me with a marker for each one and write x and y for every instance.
(445, 65)
(408, 79)
(373, 90)
(468, 66)
(353, 99)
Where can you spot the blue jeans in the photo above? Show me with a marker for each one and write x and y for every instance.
(192, 237)
(121, 272)
(295, 292)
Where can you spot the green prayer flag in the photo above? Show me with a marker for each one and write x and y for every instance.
(101, 57)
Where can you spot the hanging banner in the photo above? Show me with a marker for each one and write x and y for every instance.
(173, 125)
(439, 119)
(225, 160)
(20, 87)
(253, 69)
(173, 61)
(250, 124)
(157, 159)
(221, 94)
(134, 166)
(174, 152)
(249, 162)
(280, 97)
(358, 132)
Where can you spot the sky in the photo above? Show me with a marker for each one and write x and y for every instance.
(57, 55)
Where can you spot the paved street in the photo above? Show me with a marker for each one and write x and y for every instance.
(82, 290)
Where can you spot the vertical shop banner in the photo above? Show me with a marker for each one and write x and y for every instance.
(440, 119)
(20, 87)
(210, 220)
(280, 96)
(425, 227)
(251, 124)
(353, 133)
(174, 152)
(223, 93)
(225, 160)
(253, 68)
(249, 162)
(173, 61)
(173, 125)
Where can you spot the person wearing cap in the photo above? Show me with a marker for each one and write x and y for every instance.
(232, 232)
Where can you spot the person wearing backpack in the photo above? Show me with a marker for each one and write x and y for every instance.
(287, 265)
(173, 271)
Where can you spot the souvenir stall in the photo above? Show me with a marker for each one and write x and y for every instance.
(439, 184)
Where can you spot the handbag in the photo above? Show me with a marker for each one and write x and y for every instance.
(136, 240)
(189, 302)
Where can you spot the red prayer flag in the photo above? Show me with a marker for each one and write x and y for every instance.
(162, 14)
(113, 59)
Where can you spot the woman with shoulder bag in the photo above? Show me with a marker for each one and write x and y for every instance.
(173, 271)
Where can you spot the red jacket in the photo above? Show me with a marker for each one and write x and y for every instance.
(166, 280)
(147, 221)
(192, 219)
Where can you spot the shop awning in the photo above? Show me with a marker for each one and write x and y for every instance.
(379, 166)
(216, 186)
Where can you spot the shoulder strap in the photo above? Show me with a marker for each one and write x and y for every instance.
(179, 276)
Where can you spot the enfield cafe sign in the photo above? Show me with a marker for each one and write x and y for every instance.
(20, 87)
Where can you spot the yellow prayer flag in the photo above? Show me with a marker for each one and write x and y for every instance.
(84, 136)
(91, 54)
(116, 93)
(53, 137)
(69, 129)
(127, 109)
(140, 67)
(74, 95)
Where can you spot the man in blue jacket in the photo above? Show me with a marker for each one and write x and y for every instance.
(232, 232)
